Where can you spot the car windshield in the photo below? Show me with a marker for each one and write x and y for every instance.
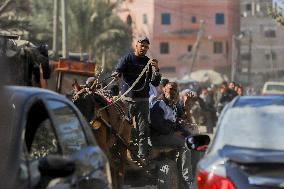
(275, 87)
(252, 127)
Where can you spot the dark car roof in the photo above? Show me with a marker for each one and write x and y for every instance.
(255, 101)
(27, 92)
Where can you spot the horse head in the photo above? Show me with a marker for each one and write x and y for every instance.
(89, 104)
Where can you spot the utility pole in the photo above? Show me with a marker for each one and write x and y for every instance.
(233, 64)
(103, 59)
(270, 61)
(235, 54)
(250, 58)
(196, 45)
(272, 64)
(64, 29)
(55, 27)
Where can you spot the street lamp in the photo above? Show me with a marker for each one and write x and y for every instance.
(233, 66)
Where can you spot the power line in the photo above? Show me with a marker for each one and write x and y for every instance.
(196, 46)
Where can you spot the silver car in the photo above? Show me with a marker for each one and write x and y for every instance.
(247, 151)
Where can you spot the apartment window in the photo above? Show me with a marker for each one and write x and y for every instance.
(168, 69)
(220, 18)
(164, 48)
(270, 33)
(189, 48)
(129, 20)
(218, 47)
(270, 56)
(145, 19)
(248, 7)
(245, 56)
(166, 18)
(193, 19)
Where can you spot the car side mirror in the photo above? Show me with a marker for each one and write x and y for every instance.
(52, 167)
(198, 142)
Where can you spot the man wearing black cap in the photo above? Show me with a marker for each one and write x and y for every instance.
(130, 67)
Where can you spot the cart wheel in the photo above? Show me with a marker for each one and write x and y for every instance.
(167, 175)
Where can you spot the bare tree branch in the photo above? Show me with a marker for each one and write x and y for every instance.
(5, 5)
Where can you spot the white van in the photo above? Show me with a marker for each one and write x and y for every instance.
(273, 88)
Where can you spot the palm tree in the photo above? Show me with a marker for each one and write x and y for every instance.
(95, 29)
(14, 16)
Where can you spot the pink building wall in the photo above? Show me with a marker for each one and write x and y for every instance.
(178, 33)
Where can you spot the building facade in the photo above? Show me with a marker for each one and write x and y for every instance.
(173, 28)
(262, 44)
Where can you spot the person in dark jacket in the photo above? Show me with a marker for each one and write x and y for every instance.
(167, 132)
(209, 109)
(226, 96)
(232, 90)
(130, 67)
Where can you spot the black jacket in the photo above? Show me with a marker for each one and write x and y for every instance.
(164, 118)
(225, 99)
(160, 125)
(130, 66)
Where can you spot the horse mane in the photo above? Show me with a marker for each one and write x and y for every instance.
(100, 99)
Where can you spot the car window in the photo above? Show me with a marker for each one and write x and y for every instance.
(69, 127)
(40, 136)
(44, 142)
(275, 87)
(252, 127)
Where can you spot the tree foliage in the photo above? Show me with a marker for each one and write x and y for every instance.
(275, 15)
(14, 16)
(92, 26)
(41, 21)
(95, 29)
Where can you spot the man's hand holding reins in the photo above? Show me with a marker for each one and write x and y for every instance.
(155, 64)
(116, 76)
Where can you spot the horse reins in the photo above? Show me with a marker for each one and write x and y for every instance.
(129, 89)
(115, 102)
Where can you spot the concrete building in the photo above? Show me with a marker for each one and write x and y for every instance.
(173, 27)
(262, 44)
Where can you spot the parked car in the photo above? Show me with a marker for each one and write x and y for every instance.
(46, 143)
(247, 151)
(273, 88)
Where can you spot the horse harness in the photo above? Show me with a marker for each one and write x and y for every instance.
(102, 99)
(114, 132)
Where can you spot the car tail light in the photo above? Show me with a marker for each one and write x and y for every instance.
(207, 180)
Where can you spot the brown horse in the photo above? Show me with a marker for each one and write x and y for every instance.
(111, 129)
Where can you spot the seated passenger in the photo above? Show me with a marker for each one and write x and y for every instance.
(167, 132)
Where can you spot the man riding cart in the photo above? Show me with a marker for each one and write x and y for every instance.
(166, 132)
(131, 66)
(165, 129)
